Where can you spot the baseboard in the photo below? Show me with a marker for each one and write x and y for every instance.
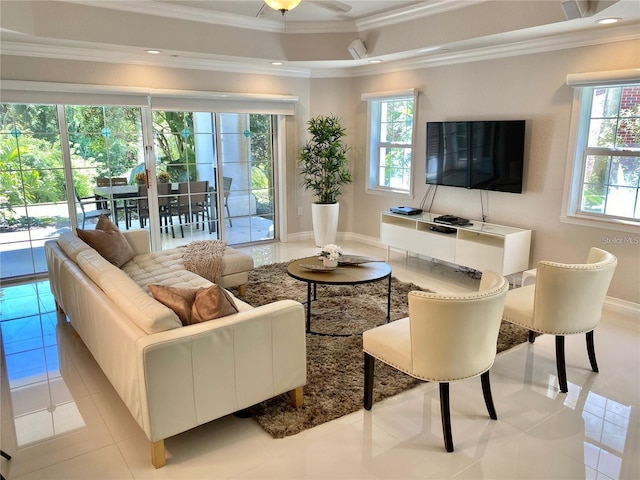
(340, 237)
(611, 303)
(622, 306)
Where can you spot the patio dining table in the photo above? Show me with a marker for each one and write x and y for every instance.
(115, 193)
(120, 193)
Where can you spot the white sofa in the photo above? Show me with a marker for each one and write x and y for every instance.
(173, 378)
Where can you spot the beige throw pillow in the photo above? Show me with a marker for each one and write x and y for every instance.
(108, 241)
(195, 305)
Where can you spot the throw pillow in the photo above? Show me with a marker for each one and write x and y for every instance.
(177, 299)
(108, 241)
(195, 305)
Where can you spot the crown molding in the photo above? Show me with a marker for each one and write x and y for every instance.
(317, 69)
(583, 38)
(411, 13)
(218, 64)
(183, 12)
(180, 12)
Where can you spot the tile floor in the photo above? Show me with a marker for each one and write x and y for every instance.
(61, 419)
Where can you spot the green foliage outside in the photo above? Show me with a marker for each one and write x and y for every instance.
(104, 142)
(261, 163)
(396, 129)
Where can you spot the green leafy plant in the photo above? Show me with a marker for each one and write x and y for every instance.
(323, 159)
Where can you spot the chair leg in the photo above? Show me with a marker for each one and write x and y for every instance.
(226, 206)
(8, 457)
(369, 366)
(488, 399)
(592, 352)
(532, 336)
(560, 364)
(445, 414)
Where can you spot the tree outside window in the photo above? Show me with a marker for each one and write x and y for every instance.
(391, 127)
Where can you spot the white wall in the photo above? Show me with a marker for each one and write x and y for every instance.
(530, 87)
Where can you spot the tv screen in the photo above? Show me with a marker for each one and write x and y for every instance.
(487, 155)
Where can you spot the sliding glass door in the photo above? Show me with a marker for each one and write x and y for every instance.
(229, 158)
(33, 204)
(183, 175)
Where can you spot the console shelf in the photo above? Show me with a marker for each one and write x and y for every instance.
(481, 246)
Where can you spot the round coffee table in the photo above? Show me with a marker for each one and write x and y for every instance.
(341, 275)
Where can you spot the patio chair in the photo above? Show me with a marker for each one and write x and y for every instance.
(115, 182)
(227, 190)
(193, 201)
(90, 213)
(165, 206)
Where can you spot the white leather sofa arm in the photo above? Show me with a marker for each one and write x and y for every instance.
(139, 240)
(202, 372)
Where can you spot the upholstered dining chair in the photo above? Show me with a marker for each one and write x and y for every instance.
(444, 338)
(566, 299)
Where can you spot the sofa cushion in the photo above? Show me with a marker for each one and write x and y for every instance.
(195, 305)
(108, 241)
(148, 314)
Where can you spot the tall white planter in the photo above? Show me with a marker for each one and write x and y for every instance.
(325, 222)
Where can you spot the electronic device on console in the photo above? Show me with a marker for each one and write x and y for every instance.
(452, 220)
(406, 210)
(442, 229)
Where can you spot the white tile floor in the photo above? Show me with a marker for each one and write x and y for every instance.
(61, 419)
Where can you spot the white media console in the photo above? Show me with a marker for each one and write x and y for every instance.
(480, 246)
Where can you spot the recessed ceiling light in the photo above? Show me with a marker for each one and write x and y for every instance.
(375, 60)
(607, 21)
(276, 63)
(153, 52)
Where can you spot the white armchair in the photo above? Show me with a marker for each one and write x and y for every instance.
(445, 338)
(566, 299)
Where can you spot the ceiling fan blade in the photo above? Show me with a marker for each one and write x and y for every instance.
(333, 6)
(261, 13)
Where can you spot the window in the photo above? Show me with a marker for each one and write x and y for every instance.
(606, 171)
(391, 140)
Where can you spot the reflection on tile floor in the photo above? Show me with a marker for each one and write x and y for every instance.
(61, 419)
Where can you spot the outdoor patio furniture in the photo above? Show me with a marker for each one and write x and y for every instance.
(83, 202)
(193, 201)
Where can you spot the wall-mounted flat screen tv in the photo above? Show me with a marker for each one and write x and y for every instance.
(486, 155)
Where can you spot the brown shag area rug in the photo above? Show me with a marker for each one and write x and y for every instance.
(335, 381)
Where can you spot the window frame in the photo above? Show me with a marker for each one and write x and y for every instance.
(578, 150)
(374, 143)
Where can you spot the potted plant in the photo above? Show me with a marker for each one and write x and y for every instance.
(164, 177)
(140, 178)
(324, 169)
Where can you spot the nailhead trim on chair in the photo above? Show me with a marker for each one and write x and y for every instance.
(579, 266)
(529, 327)
(430, 379)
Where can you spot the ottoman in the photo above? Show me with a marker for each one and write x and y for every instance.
(235, 270)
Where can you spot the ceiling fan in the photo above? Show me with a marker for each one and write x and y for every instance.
(284, 6)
